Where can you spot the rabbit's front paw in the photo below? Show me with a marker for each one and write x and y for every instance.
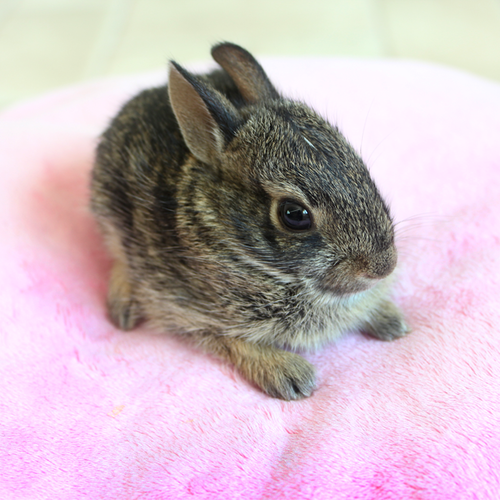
(387, 323)
(281, 374)
(284, 375)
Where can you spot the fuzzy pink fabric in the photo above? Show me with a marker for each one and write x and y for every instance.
(90, 412)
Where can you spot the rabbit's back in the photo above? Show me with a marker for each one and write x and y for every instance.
(140, 157)
(137, 164)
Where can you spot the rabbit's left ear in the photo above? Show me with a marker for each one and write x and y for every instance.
(208, 121)
(248, 75)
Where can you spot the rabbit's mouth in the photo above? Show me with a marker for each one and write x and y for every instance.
(358, 274)
(350, 286)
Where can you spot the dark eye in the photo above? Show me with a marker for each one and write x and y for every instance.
(295, 216)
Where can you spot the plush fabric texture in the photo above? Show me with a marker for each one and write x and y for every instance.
(90, 412)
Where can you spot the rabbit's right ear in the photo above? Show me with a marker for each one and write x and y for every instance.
(248, 75)
(208, 121)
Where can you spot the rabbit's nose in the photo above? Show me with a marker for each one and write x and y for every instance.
(379, 266)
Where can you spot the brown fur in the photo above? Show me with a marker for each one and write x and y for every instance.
(187, 187)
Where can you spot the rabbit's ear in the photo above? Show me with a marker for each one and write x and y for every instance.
(245, 71)
(208, 121)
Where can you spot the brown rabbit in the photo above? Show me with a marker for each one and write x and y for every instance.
(244, 221)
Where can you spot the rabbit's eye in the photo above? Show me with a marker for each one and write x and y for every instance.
(295, 216)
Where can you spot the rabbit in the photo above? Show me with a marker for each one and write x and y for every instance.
(242, 220)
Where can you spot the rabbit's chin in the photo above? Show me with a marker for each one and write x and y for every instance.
(348, 286)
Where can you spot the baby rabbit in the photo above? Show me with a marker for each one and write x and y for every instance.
(244, 221)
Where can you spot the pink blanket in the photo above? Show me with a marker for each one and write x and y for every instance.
(87, 411)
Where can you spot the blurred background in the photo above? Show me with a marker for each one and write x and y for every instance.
(45, 44)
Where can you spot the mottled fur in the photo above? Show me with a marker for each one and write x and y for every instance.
(187, 186)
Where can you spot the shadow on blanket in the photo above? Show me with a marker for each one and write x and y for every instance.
(91, 412)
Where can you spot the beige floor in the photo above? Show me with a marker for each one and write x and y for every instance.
(46, 44)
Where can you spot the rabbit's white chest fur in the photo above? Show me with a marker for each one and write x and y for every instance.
(318, 318)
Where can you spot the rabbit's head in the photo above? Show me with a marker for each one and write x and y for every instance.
(279, 190)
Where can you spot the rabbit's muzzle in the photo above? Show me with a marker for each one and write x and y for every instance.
(359, 273)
